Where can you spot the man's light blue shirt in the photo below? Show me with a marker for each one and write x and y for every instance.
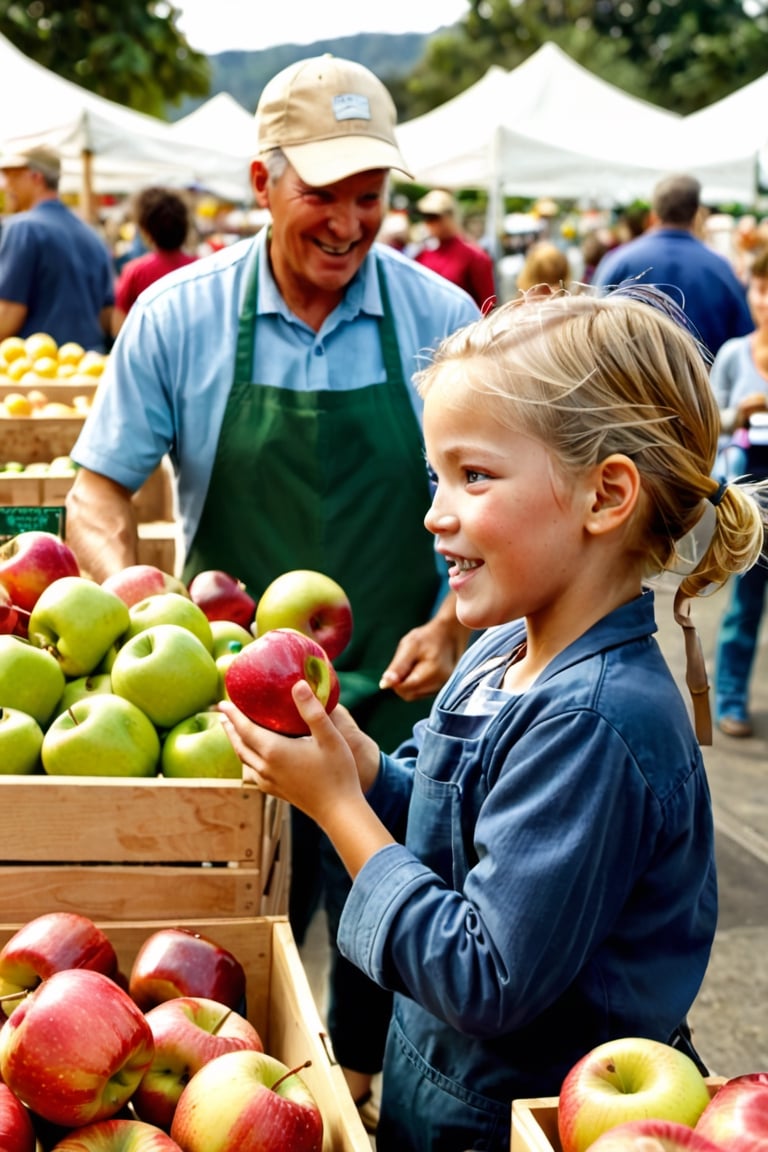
(170, 372)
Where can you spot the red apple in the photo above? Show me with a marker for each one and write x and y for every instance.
(222, 597)
(188, 1032)
(737, 1116)
(52, 943)
(16, 1131)
(247, 1102)
(117, 1136)
(30, 562)
(653, 1136)
(138, 581)
(311, 603)
(260, 678)
(174, 962)
(8, 613)
(630, 1078)
(76, 1048)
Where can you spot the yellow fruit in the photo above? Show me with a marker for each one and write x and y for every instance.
(31, 379)
(65, 371)
(37, 397)
(46, 366)
(41, 344)
(92, 364)
(71, 353)
(11, 348)
(17, 404)
(19, 366)
(54, 409)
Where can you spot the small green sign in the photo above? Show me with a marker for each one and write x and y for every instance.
(23, 518)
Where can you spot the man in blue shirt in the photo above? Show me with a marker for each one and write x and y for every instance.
(672, 257)
(277, 374)
(55, 273)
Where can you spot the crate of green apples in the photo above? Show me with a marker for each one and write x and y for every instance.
(164, 1036)
(128, 799)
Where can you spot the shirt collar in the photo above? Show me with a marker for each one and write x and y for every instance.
(363, 296)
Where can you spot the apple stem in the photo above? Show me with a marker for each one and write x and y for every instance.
(72, 716)
(15, 995)
(292, 1072)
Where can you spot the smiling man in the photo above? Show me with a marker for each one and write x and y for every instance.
(277, 374)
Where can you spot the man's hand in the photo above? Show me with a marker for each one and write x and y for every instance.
(426, 656)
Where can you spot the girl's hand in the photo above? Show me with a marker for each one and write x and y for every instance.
(323, 774)
(310, 772)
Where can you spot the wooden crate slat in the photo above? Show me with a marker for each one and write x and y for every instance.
(123, 892)
(130, 821)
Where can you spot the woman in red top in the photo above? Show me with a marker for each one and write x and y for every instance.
(162, 218)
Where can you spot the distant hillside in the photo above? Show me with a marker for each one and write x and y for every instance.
(244, 74)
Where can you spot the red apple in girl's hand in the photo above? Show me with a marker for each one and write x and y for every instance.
(222, 597)
(16, 1131)
(260, 678)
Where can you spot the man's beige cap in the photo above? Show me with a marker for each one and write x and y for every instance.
(437, 203)
(40, 158)
(331, 118)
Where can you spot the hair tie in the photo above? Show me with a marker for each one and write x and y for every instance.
(716, 496)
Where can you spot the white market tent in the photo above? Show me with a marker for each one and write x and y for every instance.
(221, 123)
(552, 128)
(721, 144)
(549, 127)
(105, 147)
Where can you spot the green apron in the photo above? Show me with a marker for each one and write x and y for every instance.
(332, 481)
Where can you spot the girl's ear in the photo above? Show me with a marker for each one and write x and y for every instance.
(614, 491)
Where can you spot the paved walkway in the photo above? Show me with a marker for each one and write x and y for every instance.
(730, 1017)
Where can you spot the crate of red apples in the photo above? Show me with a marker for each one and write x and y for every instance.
(638, 1095)
(128, 799)
(198, 1036)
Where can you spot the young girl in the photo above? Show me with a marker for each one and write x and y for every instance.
(534, 871)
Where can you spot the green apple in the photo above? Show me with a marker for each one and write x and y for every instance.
(77, 621)
(226, 632)
(199, 746)
(83, 687)
(101, 735)
(170, 608)
(31, 680)
(167, 672)
(21, 739)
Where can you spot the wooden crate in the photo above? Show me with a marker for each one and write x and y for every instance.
(158, 545)
(151, 849)
(30, 439)
(279, 1005)
(59, 391)
(534, 1122)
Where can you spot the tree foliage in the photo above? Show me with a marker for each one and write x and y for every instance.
(679, 54)
(130, 52)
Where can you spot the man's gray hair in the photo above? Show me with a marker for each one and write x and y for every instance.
(677, 199)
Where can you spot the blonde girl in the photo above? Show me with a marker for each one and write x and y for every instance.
(533, 872)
